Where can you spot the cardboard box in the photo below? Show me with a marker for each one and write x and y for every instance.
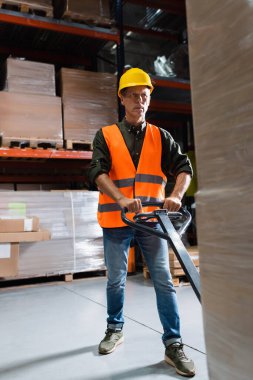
(36, 118)
(9, 254)
(19, 225)
(193, 252)
(89, 102)
(28, 77)
(15, 237)
(76, 243)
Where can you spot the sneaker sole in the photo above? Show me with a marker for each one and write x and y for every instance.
(121, 340)
(169, 361)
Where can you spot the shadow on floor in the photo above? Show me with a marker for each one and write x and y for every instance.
(46, 359)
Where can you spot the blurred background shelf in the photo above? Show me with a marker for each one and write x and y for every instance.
(128, 33)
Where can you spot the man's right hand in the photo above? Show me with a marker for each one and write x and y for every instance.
(133, 205)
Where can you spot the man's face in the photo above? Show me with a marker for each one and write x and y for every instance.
(136, 102)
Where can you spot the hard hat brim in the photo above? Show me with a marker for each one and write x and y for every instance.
(136, 84)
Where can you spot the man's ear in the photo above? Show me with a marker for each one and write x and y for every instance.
(122, 100)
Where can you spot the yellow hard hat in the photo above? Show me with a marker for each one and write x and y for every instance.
(135, 77)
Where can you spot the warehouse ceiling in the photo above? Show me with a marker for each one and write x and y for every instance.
(152, 28)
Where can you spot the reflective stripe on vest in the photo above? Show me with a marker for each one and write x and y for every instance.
(147, 182)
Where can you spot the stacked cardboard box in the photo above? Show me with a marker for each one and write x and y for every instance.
(28, 77)
(96, 11)
(89, 102)
(29, 109)
(9, 225)
(9, 256)
(221, 54)
(12, 232)
(32, 118)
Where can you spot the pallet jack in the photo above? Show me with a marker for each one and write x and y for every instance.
(168, 221)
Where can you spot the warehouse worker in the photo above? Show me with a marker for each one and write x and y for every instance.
(130, 163)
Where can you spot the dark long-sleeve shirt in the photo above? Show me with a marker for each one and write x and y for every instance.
(173, 161)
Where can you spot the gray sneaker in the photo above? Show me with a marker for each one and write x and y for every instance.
(175, 356)
(111, 340)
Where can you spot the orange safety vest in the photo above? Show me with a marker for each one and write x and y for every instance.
(147, 182)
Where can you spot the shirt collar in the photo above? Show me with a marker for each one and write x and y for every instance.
(133, 128)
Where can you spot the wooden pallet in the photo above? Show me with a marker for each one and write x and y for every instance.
(78, 145)
(146, 273)
(81, 19)
(17, 142)
(67, 277)
(40, 8)
(180, 281)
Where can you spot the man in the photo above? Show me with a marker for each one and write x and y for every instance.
(130, 164)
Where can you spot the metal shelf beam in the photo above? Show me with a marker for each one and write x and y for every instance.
(151, 32)
(175, 7)
(59, 26)
(44, 154)
(170, 107)
(41, 179)
(171, 83)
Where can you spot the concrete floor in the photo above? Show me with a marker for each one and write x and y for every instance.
(51, 331)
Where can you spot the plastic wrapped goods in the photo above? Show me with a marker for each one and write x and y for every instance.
(89, 103)
(162, 67)
(177, 64)
(76, 238)
(28, 77)
(221, 54)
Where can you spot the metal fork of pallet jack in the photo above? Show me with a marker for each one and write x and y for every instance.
(173, 236)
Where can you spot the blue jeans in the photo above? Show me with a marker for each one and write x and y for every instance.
(155, 251)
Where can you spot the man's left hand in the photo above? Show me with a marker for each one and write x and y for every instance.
(172, 203)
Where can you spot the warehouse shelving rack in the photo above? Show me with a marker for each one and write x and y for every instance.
(24, 158)
(164, 21)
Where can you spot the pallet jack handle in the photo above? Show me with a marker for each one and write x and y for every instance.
(173, 236)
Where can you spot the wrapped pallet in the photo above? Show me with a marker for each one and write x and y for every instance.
(89, 102)
(96, 11)
(33, 118)
(220, 43)
(28, 77)
(76, 243)
(44, 6)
